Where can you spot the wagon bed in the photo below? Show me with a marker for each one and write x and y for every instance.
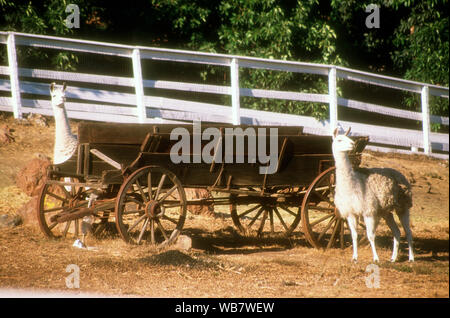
(121, 165)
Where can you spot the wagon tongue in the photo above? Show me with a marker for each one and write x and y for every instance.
(70, 216)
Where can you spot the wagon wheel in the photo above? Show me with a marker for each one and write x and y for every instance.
(151, 207)
(267, 216)
(322, 224)
(56, 200)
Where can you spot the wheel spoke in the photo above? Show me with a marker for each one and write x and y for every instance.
(152, 231)
(131, 199)
(144, 197)
(322, 197)
(272, 227)
(249, 211)
(168, 218)
(162, 229)
(149, 185)
(281, 219)
(144, 226)
(333, 234)
(161, 182)
(263, 221)
(288, 211)
(255, 217)
(139, 220)
(167, 193)
(57, 197)
(326, 229)
(321, 219)
(66, 228)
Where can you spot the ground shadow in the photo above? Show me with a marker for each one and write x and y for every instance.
(422, 247)
(229, 241)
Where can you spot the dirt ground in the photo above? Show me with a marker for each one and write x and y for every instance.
(221, 263)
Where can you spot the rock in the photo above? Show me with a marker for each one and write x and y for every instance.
(183, 242)
(6, 136)
(195, 193)
(27, 212)
(37, 119)
(33, 176)
(9, 221)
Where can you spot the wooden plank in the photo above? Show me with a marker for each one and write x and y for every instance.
(82, 107)
(75, 77)
(302, 97)
(389, 111)
(106, 159)
(387, 81)
(80, 93)
(188, 87)
(184, 56)
(286, 66)
(4, 70)
(59, 43)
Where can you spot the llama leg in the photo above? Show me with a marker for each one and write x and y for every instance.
(404, 219)
(371, 226)
(395, 232)
(351, 220)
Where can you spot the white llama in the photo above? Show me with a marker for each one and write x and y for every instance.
(65, 142)
(370, 193)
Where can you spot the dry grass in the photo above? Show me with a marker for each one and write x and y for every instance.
(221, 263)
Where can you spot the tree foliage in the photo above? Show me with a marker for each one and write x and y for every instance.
(412, 41)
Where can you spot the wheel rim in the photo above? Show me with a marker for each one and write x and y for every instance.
(55, 200)
(321, 222)
(266, 217)
(153, 214)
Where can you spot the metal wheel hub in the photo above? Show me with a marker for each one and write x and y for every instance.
(153, 209)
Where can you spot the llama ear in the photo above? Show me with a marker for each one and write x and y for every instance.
(335, 132)
(52, 86)
(348, 131)
(64, 86)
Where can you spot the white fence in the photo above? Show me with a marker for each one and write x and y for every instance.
(137, 107)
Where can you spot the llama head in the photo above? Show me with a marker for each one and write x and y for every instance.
(342, 143)
(58, 95)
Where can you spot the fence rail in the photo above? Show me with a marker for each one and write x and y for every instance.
(108, 104)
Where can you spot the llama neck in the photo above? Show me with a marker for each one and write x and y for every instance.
(62, 127)
(344, 170)
(65, 141)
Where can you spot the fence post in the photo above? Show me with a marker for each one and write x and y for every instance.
(138, 85)
(426, 120)
(332, 98)
(235, 103)
(14, 76)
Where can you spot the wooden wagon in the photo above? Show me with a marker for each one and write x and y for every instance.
(126, 172)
